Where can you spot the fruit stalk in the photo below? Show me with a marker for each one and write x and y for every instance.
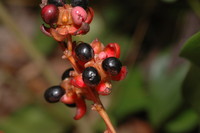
(100, 109)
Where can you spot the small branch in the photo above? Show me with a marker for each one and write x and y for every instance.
(69, 42)
(100, 109)
(68, 53)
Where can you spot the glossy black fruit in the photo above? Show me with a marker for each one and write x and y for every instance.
(112, 65)
(57, 2)
(53, 94)
(66, 73)
(91, 76)
(81, 3)
(84, 52)
(71, 105)
(49, 14)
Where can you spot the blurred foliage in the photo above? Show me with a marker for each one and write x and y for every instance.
(191, 49)
(161, 89)
(29, 120)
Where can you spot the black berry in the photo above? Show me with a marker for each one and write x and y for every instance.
(71, 105)
(57, 2)
(91, 76)
(53, 94)
(49, 14)
(81, 3)
(84, 52)
(66, 74)
(112, 65)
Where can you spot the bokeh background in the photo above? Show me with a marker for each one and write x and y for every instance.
(150, 33)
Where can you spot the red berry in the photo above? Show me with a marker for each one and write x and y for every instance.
(49, 14)
(79, 15)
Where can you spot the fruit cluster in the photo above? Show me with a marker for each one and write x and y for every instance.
(94, 65)
(64, 19)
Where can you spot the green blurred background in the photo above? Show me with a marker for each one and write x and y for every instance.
(150, 33)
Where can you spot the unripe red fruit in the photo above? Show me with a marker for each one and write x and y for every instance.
(79, 15)
(49, 14)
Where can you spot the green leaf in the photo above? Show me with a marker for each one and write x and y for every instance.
(164, 89)
(191, 49)
(191, 87)
(184, 122)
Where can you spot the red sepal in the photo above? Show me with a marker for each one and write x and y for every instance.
(104, 88)
(69, 98)
(80, 108)
(45, 30)
(112, 50)
(78, 82)
(90, 15)
(121, 75)
(97, 46)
